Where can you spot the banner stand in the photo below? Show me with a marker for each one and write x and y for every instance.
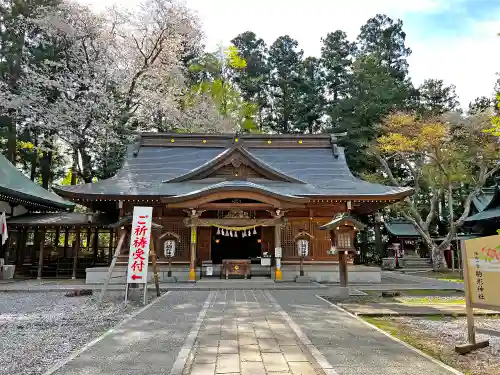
(139, 259)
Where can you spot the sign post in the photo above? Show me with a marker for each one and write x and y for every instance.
(481, 266)
(137, 269)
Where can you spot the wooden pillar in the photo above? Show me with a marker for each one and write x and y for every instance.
(40, 259)
(66, 239)
(155, 267)
(95, 246)
(89, 234)
(343, 273)
(192, 262)
(277, 244)
(76, 249)
(110, 246)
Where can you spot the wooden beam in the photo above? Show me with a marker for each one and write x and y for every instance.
(112, 266)
(232, 206)
(232, 222)
(155, 267)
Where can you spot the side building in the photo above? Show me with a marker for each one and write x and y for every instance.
(237, 197)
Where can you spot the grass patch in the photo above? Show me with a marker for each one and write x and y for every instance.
(431, 300)
(431, 292)
(445, 276)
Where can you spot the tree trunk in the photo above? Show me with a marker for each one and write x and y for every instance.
(86, 165)
(74, 166)
(438, 260)
(11, 137)
(34, 159)
(45, 167)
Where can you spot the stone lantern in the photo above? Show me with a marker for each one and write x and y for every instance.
(343, 230)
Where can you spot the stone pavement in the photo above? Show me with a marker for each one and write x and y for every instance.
(350, 346)
(247, 332)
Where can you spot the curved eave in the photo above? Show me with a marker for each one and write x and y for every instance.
(215, 188)
(367, 197)
(105, 197)
(30, 200)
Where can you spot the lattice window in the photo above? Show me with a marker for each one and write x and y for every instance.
(344, 240)
(183, 247)
(287, 243)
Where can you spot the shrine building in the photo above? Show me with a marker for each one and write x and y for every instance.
(240, 197)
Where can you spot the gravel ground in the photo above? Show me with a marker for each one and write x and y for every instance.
(447, 332)
(39, 329)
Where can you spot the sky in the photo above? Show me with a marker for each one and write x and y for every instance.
(452, 40)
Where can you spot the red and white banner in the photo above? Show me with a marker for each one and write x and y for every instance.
(137, 272)
(3, 226)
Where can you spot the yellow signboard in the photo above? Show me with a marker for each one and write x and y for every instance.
(193, 235)
(483, 271)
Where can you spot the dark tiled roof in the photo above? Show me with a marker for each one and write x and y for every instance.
(18, 187)
(401, 228)
(482, 201)
(61, 219)
(489, 214)
(340, 220)
(317, 170)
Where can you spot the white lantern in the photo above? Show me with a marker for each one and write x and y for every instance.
(169, 248)
(303, 247)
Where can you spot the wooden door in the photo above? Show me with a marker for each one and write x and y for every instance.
(204, 244)
(267, 237)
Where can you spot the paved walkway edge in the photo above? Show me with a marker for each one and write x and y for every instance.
(76, 353)
(186, 349)
(434, 360)
(320, 358)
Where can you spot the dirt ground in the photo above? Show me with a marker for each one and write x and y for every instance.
(438, 335)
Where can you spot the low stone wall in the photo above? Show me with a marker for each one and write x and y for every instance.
(319, 273)
(330, 273)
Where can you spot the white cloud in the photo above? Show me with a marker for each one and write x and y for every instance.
(470, 63)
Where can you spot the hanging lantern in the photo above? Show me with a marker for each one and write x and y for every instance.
(230, 233)
(243, 234)
(223, 232)
(303, 247)
(236, 234)
(169, 248)
(218, 231)
(254, 230)
(249, 233)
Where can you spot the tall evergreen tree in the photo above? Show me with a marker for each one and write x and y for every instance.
(285, 62)
(253, 80)
(436, 98)
(336, 59)
(385, 39)
(378, 85)
(311, 105)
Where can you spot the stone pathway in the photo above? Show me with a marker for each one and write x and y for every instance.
(244, 332)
